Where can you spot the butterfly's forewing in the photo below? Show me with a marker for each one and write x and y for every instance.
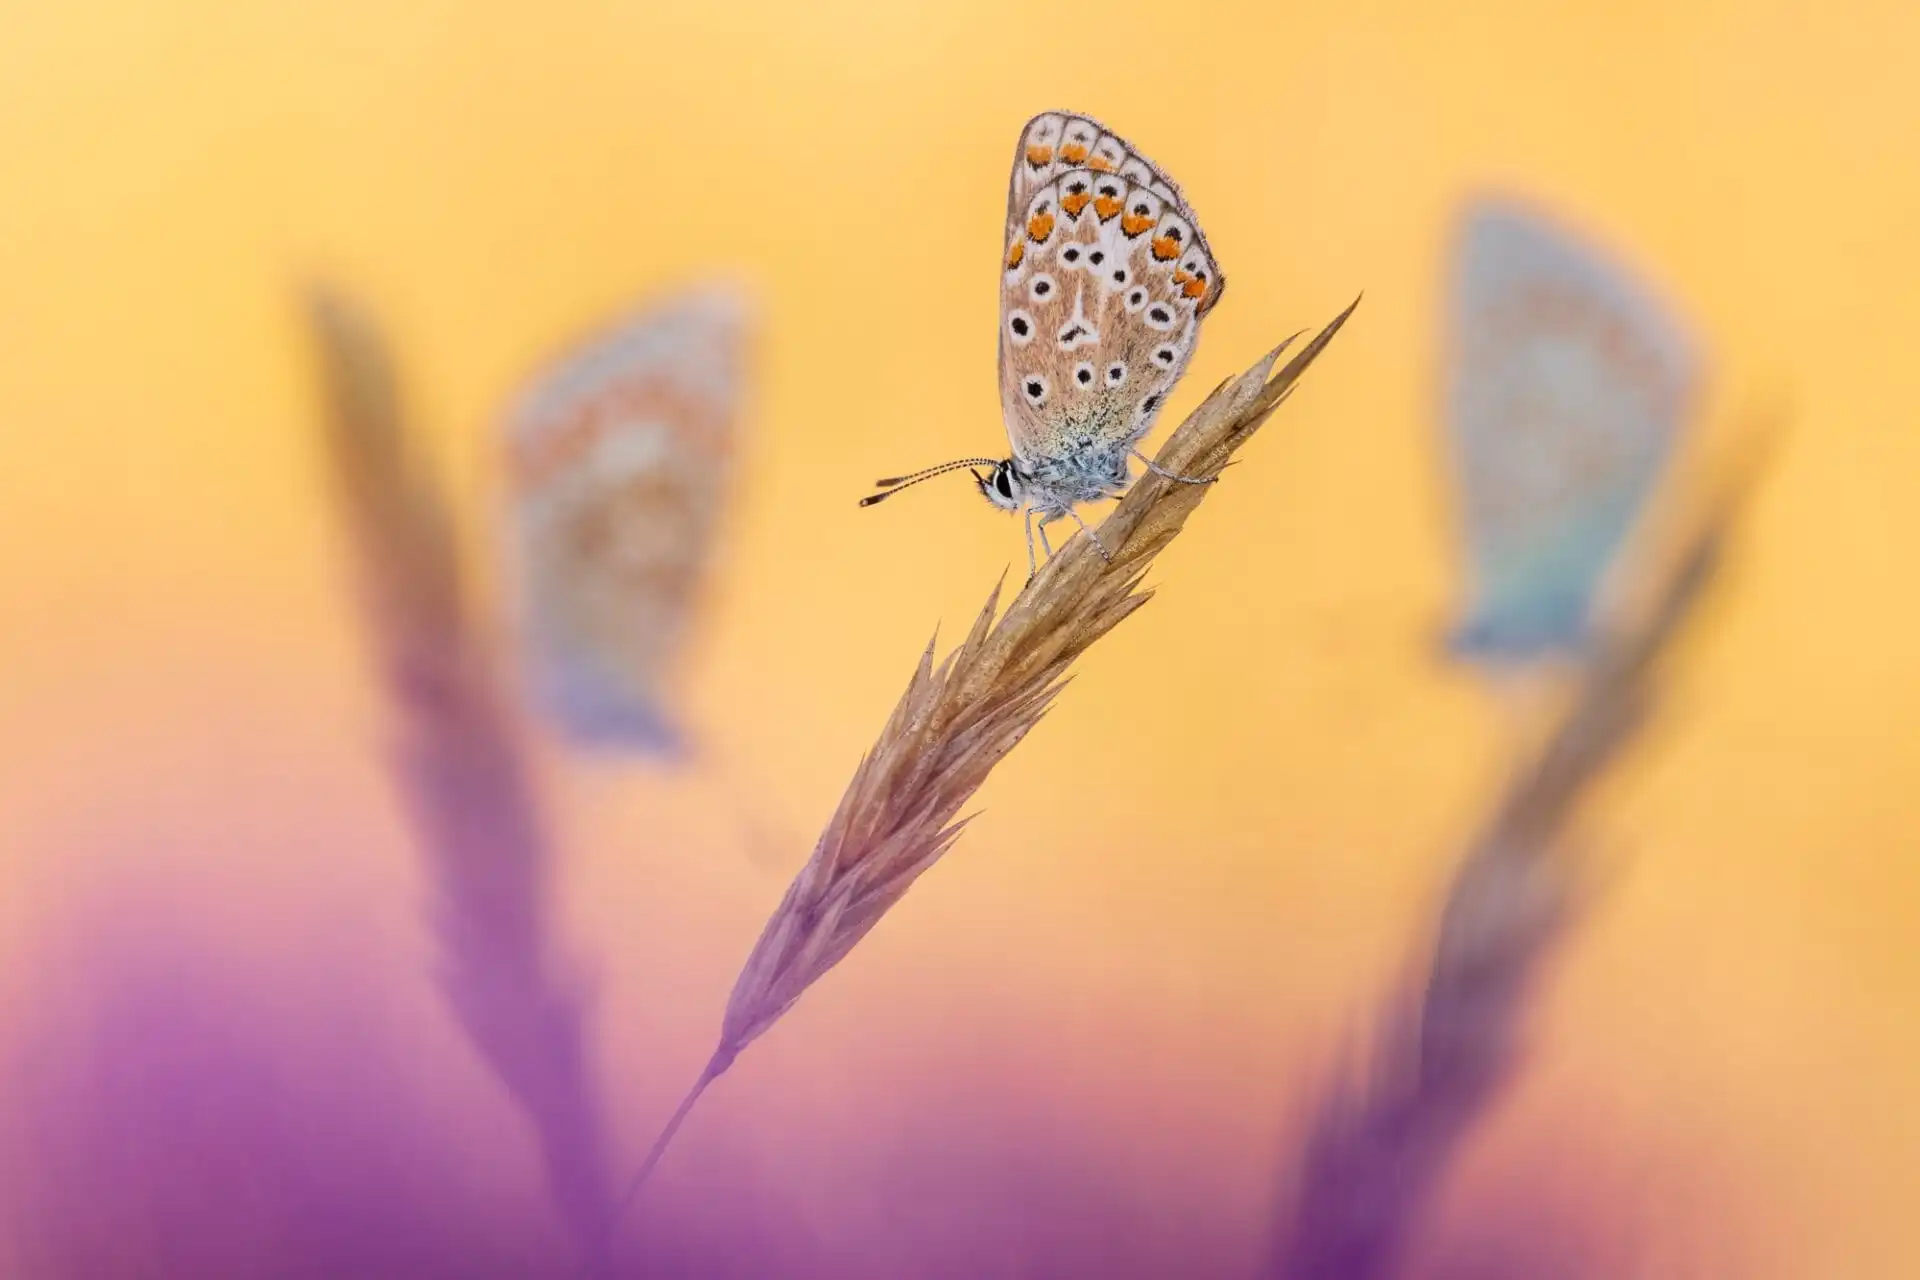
(620, 457)
(1105, 280)
(1566, 388)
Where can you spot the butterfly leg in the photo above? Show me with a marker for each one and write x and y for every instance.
(1033, 565)
(1104, 553)
(1045, 542)
(1162, 472)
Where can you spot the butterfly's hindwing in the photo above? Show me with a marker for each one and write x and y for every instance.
(1106, 280)
(1567, 387)
(621, 453)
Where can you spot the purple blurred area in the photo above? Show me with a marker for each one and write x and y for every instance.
(167, 1114)
(168, 1117)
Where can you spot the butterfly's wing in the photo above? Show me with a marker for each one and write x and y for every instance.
(1105, 279)
(621, 453)
(1567, 385)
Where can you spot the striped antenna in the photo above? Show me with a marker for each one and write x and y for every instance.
(894, 485)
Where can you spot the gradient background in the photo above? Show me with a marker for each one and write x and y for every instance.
(1192, 882)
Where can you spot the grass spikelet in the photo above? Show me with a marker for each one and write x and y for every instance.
(460, 769)
(1378, 1145)
(961, 716)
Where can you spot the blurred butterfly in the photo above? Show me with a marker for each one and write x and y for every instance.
(1567, 385)
(620, 456)
(1105, 278)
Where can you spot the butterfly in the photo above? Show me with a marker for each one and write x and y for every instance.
(620, 453)
(1105, 280)
(1566, 387)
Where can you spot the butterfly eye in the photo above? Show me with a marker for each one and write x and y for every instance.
(1083, 374)
(1036, 389)
(1020, 327)
(1042, 287)
(1116, 374)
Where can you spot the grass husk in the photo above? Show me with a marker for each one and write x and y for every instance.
(960, 718)
(461, 769)
(1380, 1141)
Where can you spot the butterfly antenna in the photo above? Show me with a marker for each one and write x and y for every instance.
(895, 484)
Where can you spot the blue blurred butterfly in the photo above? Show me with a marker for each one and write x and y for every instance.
(620, 455)
(1566, 386)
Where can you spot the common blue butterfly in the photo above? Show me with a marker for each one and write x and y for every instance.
(1567, 385)
(620, 456)
(1105, 279)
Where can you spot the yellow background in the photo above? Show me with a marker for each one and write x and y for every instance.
(1191, 882)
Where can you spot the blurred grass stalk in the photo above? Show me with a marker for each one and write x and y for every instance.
(958, 720)
(1377, 1146)
(460, 769)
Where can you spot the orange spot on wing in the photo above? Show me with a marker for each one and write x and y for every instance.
(1106, 207)
(1133, 224)
(1180, 275)
(1100, 164)
(694, 424)
(1040, 226)
(1196, 287)
(1016, 254)
(1074, 203)
(1165, 247)
(1038, 155)
(1073, 153)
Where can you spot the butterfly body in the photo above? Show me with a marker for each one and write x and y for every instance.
(1567, 387)
(1085, 470)
(620, 453)
(1105, 280)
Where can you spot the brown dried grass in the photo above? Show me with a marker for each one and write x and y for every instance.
(959, 719)
(461, 769)
(1378, 1145)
